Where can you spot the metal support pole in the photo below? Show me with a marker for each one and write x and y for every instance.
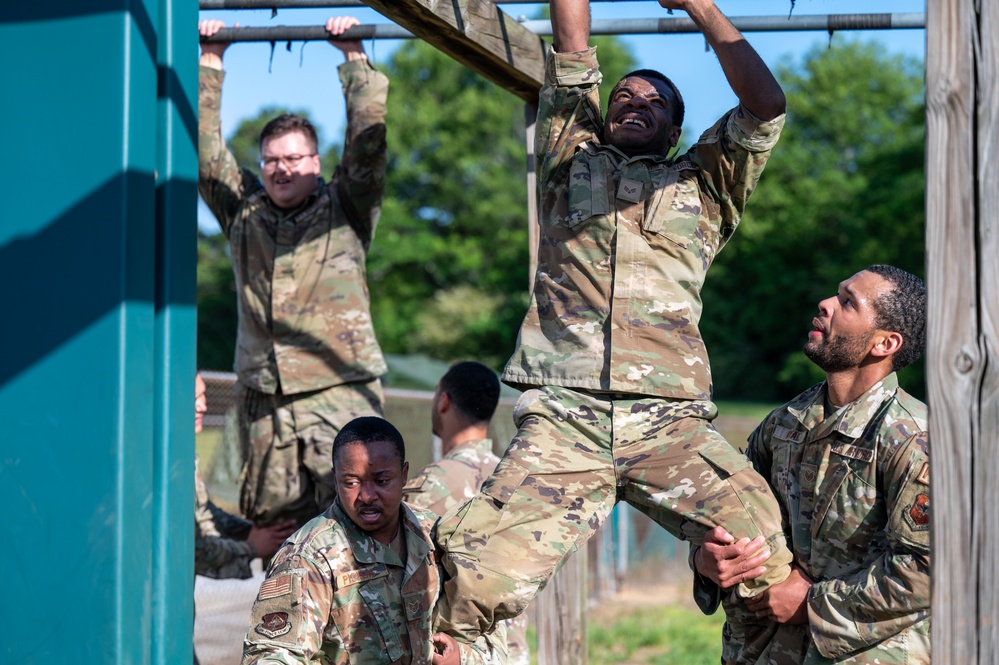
(825, 22)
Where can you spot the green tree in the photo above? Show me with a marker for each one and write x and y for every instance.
(843, 190)
(216, 303)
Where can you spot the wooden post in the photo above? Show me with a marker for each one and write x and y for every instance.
(561, 614)
(962, 207)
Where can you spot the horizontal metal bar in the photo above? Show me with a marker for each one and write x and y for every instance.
(306, 33)
(829, 22)
(824, 22)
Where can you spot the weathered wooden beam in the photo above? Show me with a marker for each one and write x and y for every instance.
(987, 181)
(962, 206)
(477, 34)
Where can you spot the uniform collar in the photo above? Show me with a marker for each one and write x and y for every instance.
(854, 418)
(594, 148)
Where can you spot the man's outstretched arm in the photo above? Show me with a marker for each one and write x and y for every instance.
(570, 25)
(220, 180)
(750, 78)
(361, 174)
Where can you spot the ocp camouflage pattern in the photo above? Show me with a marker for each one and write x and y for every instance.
(442, 486)
(288, 447)
(454, 479)
(855, 488)
(333, 596)
(304, 319)
(575, 455)
(625, 244)
(221, 550)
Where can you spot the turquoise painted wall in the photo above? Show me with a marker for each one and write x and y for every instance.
(97, 266)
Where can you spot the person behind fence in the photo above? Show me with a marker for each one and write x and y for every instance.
(464, 402)
(618, 388)
(849, 462)
(224, 544)
(360, 582)
(306, 358)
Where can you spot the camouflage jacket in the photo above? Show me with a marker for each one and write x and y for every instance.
(221, 550)
(855, 491)
(304, 320)
(453, 480)
(331, 596)
(626, 243)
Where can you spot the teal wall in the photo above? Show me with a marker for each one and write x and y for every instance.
(97, 267)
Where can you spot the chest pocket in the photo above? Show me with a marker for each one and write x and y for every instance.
(590, 189)
(847, 506)
(364, 619)
(673, 213)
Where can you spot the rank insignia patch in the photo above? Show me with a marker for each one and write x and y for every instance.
(923, 478)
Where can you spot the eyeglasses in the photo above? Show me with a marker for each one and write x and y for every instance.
(290, 161)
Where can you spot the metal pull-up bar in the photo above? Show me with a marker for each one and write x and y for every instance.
(827, 22)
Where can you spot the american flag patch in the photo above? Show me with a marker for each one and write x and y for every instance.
(274, 587)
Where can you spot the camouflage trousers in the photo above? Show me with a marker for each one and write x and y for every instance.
(574, 457)
(287, 446)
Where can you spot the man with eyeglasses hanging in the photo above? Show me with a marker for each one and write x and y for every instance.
(306, 357)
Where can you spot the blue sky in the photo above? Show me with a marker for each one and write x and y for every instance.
(307, 79)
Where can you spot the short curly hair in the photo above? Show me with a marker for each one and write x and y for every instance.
(902, 309)
(369, 429)
(473, 389)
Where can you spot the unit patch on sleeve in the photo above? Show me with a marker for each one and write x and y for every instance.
(274, 624)
(919, 513)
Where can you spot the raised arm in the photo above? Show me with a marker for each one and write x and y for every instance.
(749, 76)
(570, 25)
(221, 182)
(360, 178)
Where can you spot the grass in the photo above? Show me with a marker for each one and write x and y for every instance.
(664, 635)
(660, 635)
(206, 444)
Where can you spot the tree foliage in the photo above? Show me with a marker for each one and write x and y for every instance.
(448, 268)
(843, 189)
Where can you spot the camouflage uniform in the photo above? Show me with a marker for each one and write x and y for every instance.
(221, 550)
(444, 485)
(855, 487)
(456, 478)
(307, 357)
(334, 595)
(620, 406)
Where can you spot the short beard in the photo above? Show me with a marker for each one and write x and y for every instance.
(840, 354)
